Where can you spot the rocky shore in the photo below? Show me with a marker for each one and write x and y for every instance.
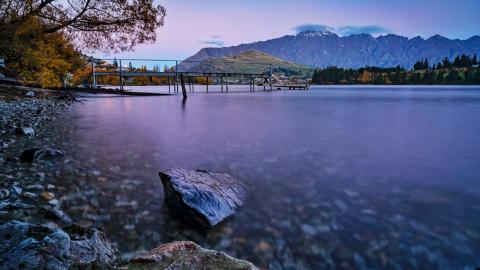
(37, 233)
(28, 190)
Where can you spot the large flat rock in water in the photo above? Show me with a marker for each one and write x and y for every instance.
(203, 196)
(187, 255)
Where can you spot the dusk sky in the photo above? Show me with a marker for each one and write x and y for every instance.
(191, 25)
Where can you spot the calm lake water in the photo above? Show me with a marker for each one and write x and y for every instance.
(339, 177)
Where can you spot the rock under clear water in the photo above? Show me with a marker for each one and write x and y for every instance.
(203, 196)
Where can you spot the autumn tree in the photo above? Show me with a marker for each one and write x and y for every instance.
(92, 24)
(366, 77)
(27, 27)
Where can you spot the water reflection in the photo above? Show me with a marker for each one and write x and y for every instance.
(340, 178)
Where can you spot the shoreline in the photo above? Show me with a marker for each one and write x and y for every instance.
(29, 186)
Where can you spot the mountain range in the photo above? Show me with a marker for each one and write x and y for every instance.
(324, 48)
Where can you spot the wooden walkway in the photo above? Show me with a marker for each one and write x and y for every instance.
(173, 78)
(180, 79)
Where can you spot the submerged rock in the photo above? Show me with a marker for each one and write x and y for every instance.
(203, 196)
(186, 255)
(40, 153)
(31, 246)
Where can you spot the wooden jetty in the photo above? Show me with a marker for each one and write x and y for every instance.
(176, 78)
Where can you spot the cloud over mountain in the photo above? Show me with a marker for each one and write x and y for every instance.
(312, 27)
(345, 30)
(348, 30)
(214, 40)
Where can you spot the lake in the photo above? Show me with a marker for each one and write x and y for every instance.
(339, 177)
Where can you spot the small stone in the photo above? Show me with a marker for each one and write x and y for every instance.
(225, 242)
(37, 188)
(54, 202)
(29, 94)
(58, 216)
(369, 212)
(4, 193)
(47, 196)
(40, 153)
(29, 195)
(263, 246)
(17, 189)
(27, 131)
(129, 227)
(309, 229)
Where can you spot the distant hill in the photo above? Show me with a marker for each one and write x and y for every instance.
(322, 49)
(250, 61)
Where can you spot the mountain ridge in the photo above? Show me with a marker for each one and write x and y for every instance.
(325, 48)
(250, 61)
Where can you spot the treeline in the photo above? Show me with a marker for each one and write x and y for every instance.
(462, 70)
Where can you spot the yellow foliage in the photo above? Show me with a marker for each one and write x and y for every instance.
(203, 80)
(47, 60)
(366, 77)
(141, 81)
(156, 81)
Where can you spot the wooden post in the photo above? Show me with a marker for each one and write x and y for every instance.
(176, 75)
(271, 76)
(226, 77)
(226, 83)
(207, 84)
(184, 89)
(121, 75)
(168, 82)
(93, 74)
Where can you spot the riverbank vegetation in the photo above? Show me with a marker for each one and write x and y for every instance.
(42, 40)
(462, 69)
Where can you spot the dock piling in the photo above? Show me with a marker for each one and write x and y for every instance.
(184, 89)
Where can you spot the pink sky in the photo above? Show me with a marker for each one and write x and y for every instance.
(233, 22)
